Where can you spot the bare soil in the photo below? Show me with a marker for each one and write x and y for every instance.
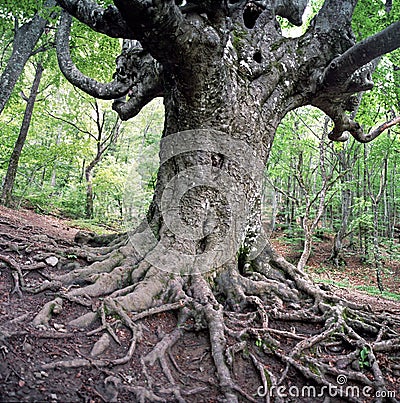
(28, 239)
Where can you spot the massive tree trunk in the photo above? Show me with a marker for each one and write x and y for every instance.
(228, 77)
(213, 151)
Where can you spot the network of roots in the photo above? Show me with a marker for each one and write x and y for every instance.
(267, 316)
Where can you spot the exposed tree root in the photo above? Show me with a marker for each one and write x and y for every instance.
(262, 311)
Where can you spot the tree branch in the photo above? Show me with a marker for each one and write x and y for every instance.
(107, 21)
(145, 74)
(341, 68)
(71, 124)
(162, 29)
(366, 138)
(344, 125)
(291, 10)
(112, 90)
(143, 95)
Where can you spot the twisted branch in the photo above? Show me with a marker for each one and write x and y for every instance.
(112, 90)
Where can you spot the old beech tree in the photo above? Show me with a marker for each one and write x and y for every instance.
(227, 76)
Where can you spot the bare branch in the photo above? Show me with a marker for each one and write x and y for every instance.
(106, 21)
(366, 138)
(112, 90)
(141, 98)
(71, 124)
(344, 125)
(341, 68)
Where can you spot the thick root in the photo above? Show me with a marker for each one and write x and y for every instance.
(263, 313)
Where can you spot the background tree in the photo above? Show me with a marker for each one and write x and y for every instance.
(8, 185)
(105, 134)
(26, 37)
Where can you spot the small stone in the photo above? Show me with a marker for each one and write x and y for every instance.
(342, 363)
(40, 238)
(53, 396)
(356, 365)
(52, 261)
(27, 348)
(59, 327)
(37, 375)
(335, 348)
(101, 345)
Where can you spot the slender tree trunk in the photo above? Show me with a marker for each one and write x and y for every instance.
(393, 206)
(345, 163)
(25, 40)
(376, 199)
(89, 210)
(336, 255)
(54, 171)
(310, 221)
(365, 230)
(6, 196)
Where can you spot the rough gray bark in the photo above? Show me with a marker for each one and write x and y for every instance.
(25, 40)
(8, 185)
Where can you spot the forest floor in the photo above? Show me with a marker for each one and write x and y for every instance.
(25, 351)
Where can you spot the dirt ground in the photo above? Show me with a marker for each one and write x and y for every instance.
(27, 353)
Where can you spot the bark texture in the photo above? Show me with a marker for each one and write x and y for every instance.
(25, 39)
(9, 180)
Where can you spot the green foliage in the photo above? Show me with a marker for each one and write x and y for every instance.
(363, 360)
(50, 174)
(69, 201)
(94, 54)
(370, 16)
